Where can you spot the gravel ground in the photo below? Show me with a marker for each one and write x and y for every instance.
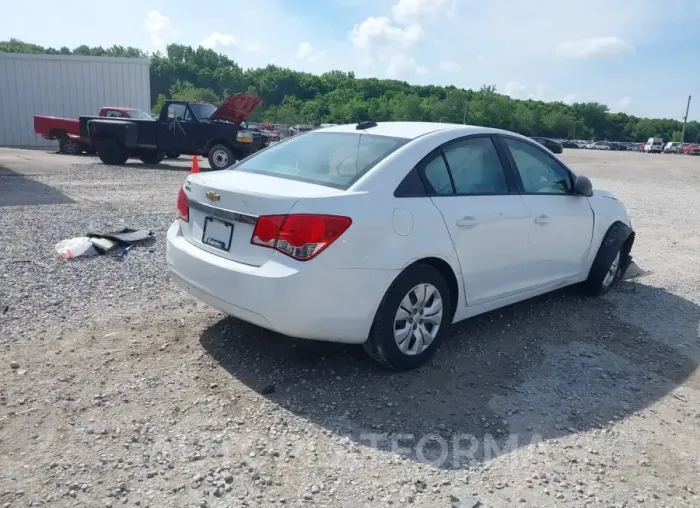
(117, 389)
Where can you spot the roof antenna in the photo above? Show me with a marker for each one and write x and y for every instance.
(361, 126)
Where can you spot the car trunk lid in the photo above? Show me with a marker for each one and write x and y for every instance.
(224, 207)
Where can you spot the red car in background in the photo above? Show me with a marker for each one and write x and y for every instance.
(67, 130)
(692, 149)
(270, 130)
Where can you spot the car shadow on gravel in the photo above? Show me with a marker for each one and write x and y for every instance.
(164, 166)
(17, 189)
(538, 370)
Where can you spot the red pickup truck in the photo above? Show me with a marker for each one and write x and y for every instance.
(67, 130)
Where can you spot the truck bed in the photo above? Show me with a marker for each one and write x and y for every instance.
(50, 127)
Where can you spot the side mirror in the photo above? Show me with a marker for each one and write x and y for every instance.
(583, 186)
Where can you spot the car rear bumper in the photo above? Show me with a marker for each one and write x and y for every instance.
(305, 300)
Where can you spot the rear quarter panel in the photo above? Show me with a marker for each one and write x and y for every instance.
(386, 233)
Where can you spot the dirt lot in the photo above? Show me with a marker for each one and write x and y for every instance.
(117, 389)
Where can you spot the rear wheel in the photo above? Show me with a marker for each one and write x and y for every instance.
(412, 318)
(221, 157)
(68, 146)
(152, 157)
(112, 152)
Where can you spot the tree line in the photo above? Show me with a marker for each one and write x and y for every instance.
(293, 97)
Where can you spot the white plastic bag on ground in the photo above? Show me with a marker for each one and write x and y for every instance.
(75, 247)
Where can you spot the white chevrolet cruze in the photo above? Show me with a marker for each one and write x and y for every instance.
(385, 234)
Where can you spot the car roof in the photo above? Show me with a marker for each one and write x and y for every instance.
(411, 130)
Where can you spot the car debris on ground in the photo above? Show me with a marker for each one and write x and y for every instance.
(95, 244)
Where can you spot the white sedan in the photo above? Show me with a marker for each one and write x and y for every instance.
(598, 146)
(385, 234)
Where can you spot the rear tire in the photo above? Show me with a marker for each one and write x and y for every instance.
(68, 146)
(152, 157)
(385, 344)
(221, 157)
(112, 152)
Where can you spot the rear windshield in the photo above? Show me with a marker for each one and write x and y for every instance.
(335, 159)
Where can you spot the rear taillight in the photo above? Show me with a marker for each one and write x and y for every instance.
(183, 206)
(300, 236)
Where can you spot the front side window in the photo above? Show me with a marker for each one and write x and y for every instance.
(335, 159)
(539, 172)
(177, 111)
(476, 167)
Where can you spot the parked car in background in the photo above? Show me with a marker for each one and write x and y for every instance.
(299, 129)
(673, 147)
(598, 145)
(191, 128)
(385, 234)
(692, 149)
(654, 145)
(549, 144)
(271, 131)
(67, 130)
(570, 144)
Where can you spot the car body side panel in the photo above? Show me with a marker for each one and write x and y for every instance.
(386, 234)
(606, 211)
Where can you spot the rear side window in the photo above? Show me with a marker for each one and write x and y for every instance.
(476, 167)
(335, 159)
(438, 175)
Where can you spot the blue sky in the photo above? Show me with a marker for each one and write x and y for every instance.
(637, 56)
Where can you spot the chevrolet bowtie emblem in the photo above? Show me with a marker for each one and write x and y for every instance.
(213, 196)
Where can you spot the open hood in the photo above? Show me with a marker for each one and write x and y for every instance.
(237, 107)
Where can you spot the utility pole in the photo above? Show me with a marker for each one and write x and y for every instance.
(464, 118)
(685, 119)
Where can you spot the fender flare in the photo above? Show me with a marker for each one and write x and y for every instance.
(618, 237)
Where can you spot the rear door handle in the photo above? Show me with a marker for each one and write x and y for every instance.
(467, 222)
(542, 219)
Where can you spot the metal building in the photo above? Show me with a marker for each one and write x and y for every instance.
(66, 86)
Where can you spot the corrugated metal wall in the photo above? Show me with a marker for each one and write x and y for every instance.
(65, 86)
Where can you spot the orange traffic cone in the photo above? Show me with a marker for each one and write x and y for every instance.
(195, 164)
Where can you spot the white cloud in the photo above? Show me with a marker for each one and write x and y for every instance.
(255, 48)
(400, 64)
(216, 39)
(624, 103)
(449, 66)
(159, 28)
(513, 88)
(539, 92)
(598, 46)
(408, 11)
(380, 31)
(306, 52)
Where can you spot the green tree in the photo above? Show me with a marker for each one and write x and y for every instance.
(291, 97)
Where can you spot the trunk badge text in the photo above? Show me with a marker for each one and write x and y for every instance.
(213, 196)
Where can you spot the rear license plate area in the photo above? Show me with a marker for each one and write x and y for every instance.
(217, 233)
